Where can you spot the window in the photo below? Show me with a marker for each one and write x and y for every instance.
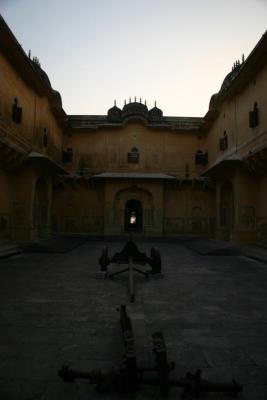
(201, 158)
(254, 116)
(45, 138)
(223, 142)
(16, 112)
(133, 156)
(67, 156)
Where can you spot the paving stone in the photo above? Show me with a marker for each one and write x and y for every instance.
(211, 309)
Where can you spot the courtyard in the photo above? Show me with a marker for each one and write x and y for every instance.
(54, 310)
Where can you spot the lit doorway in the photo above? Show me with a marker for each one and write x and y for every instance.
(133, 216)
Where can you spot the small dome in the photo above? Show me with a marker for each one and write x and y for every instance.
(135, 109)
(212, 101)
(230, 77)
(155, 113)
(57, 97)
(42, 74)
(114, 114)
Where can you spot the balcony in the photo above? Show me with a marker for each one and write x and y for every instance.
(13, 148)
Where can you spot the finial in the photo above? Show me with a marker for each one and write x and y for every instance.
(125, 102)
(115, 103)
(29, 54)
(155, 104)
(243, 58)
(145, 102)
(140, 99)
(36, 61)
(135, 99)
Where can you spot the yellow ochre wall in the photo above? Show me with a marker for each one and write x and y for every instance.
(160, 150)
(18, 184)
(170, 208)
(249, 189)
(234, 118)
(36, 112)
(227, 197)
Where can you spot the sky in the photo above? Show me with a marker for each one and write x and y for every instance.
(173, 51)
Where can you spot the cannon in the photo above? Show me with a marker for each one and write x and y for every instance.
(130, 377)
(131, 252)
(131, 255)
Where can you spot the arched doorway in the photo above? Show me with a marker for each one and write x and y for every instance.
(227, 209)
(133, 216)
(40, 217)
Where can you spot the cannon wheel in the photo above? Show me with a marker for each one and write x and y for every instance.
(155, 260)
(103, 259)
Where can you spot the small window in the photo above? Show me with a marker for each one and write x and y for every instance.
(225, 137)
(201, 158)
(223, 142)
(133, 156)
(67, 156)
(45, 138)
(16, 112)
(254, 116)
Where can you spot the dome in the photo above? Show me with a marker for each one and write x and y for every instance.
(42, 74)
(155, 113)
(230, 77)
(114, 114)
(213, 101)
(57, 97)
(135, 110)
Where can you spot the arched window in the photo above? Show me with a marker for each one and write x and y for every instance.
(201, 158)
(45, 138)
(254, 116)
(67, 156)
(16, 112)
(223, 142)
(133, 156)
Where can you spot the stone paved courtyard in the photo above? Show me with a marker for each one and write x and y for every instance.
(53, 310)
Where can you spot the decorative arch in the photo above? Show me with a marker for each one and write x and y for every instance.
(140, 196)
(133, 156)
(133, 219)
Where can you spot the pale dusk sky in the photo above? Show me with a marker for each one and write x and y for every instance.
(175, 52)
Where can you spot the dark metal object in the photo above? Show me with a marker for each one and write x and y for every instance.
(129, 376)
(129, 365)
(131, 252)
(131, 255)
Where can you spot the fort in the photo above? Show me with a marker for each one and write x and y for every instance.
(123, 210)
(133, 169)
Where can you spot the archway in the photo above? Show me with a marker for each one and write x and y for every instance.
(227, 209)
(40, 218)
(133, 216)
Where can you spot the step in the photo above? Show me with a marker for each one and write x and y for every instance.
(8, 250)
